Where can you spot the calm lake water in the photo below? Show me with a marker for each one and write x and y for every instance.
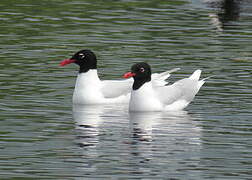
(42, 138)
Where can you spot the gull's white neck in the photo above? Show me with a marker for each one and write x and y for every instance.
(144, 99)
(90, 76)
(87, 88)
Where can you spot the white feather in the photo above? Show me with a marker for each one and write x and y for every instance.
(89, 89)
(144, 99)
(159, 79)
(166, 98)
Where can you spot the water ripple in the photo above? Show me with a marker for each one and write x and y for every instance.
(41, 137)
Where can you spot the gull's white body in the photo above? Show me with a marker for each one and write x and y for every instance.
(89, 89)
(145, 99)
(166, 98)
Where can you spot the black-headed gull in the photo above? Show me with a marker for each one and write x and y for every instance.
(89, 89)
(146, 97)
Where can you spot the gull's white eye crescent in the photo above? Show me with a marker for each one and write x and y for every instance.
(81, 55)
(142, 69)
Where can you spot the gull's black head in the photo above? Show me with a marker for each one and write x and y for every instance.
(141, 72)
(86, 59)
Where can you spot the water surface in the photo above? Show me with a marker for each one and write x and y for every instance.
(43, 138)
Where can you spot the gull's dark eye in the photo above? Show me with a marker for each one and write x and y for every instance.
(141, 69)
(81, 55)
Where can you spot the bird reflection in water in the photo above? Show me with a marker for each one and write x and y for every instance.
(141, 125)
(166, 130)
(88, 119)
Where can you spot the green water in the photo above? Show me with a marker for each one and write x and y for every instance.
(40, 136)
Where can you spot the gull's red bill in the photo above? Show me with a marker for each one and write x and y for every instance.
(128, 75)
(67, 61)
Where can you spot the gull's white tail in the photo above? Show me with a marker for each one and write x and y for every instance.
(202, 81)
(159, 79)
(196, 75)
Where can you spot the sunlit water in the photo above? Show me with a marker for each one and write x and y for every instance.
(42, 137)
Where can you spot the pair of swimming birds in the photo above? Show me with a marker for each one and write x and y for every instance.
(142, 90)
